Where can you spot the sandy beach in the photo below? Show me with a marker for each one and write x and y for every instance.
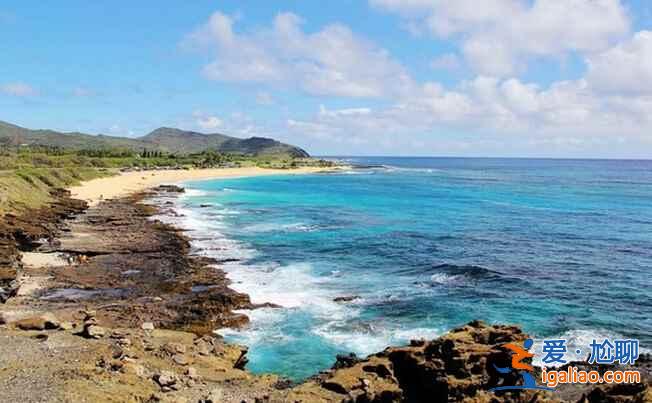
(129, 182)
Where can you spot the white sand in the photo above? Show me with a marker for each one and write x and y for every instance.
(95, 190)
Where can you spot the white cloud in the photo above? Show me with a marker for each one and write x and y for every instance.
(19, 89)
(626, 68)
(491, 110)
(207, 121)
(499, 36)
(488, 107)
(332, 61)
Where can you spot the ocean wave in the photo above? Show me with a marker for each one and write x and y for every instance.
(265, 326)
(364, 338)
(190, 192)
(275, 227)
(289, 286)
(392, 168)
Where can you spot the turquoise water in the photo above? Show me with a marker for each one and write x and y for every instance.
(561, 247)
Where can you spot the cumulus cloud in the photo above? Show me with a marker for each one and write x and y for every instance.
(625, 68)
(488, 106)
(609, 105)
(332, 61)
(498, 36)
(19, 89)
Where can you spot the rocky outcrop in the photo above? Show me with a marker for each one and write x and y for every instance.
(457, 367)
(46, 321)
(28, 231)
(134, 269)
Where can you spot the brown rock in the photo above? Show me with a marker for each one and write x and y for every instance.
(174, 348)
(92, 331)
(192, 373)
(166, 379)
(147, 326)
(180, 359)
(66, 326)
(46, 321)
(214, 396)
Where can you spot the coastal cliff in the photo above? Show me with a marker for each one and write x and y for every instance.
(108, 304)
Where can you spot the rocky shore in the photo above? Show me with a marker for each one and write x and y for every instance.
(124, 313)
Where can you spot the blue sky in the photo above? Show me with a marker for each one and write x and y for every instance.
(549, 78)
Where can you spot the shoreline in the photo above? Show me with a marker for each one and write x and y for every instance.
(143, 343)
(126, 183)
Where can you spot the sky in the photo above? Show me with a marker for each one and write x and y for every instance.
(503, 78)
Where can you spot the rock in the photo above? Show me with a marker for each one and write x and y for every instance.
(346, 360)
(147, 326)
(119, 334)
(204, 348)
(170, 189)
(242, 360)
(3, 319)
(458, 366)
(93, 332)
(364, 381)
(134, 369)
(174, 348)
(346, 298)
(46, 321)
(180, 359)
(89, 315)
(214, 396)
(124, 342)
(166, 379)
(40, 337)
(66, 326)
(192, 373)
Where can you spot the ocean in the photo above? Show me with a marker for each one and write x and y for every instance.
(418, 246)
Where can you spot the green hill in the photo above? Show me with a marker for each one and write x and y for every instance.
(163, 139)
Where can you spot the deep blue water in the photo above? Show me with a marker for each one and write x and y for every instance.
(561, 247)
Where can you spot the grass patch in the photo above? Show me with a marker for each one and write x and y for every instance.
(27, 188)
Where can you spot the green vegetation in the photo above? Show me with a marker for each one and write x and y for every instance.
(26, 188)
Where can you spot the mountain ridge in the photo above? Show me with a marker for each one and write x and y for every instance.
(165, 139)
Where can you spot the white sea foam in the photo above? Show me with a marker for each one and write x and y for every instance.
(443, 279)
(291, 286)
(274, 227)
(264, 327)
(369, 338)
(194, 193)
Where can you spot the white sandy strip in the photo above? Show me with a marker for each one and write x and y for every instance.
(36, 259)
(125, 183)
